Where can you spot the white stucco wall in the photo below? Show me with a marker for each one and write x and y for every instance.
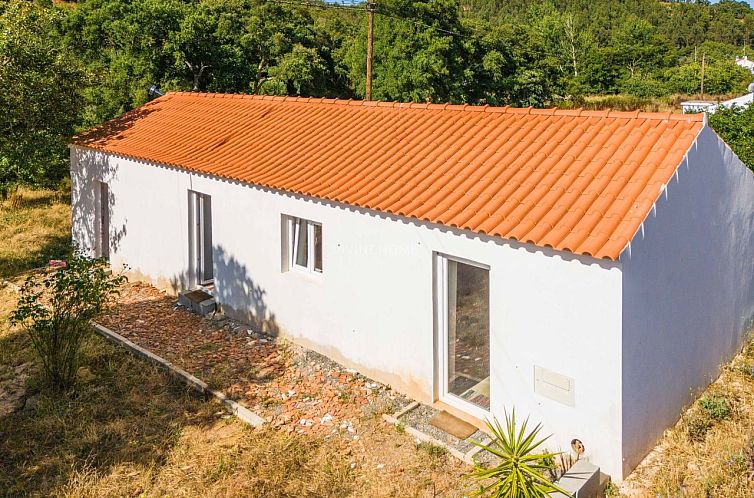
(372, 309)
(688, 283)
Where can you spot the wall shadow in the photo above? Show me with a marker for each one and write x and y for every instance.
(90, 168)
(237, 293)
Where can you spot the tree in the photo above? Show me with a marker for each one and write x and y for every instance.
(736, 127)
(508, 65)
(719, 78)
(55, 308)
(124, 44)
(419, 54)
(41, 93)
(197, 46)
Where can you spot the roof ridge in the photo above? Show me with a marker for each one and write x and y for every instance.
(551, 111)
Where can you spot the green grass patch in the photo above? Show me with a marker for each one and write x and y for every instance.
(717, 407)
(33, 230)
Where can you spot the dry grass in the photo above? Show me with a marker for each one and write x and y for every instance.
(129, 430)
(35, 227)
(710, 452)
(624, 102)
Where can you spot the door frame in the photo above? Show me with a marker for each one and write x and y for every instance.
(441, 327)
(103, 220)
(198, 224)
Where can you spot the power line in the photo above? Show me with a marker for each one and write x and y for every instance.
(418, 23)
(370, 8)
(355, 7)
(319, 5)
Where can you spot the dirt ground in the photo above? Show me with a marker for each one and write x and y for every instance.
(129, 430)
(292, 388)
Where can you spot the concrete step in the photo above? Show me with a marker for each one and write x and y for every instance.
(583, 480)
(197, 301)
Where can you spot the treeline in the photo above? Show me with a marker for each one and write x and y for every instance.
(68, 66)
(645, 48)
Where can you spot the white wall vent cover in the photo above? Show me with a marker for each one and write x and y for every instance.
(554, 386)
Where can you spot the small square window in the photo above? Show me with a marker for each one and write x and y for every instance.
(304, 245)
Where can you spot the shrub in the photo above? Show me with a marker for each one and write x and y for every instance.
(643, 87)
(697, 427)
(736, 126)
(55, 307)
(519, 472)
(717, 407)
(433, 450)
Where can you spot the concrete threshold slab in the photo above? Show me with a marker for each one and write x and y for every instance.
(426, 438)
(237, 409)
(395, 419)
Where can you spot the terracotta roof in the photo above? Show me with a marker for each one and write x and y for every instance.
(580, 181)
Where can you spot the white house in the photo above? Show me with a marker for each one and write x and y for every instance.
(591, 269)
(696, 106)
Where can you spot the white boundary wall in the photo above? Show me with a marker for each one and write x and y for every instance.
(688, 291)
(372, 309)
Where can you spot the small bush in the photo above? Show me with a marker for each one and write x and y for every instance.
(697, 427)
(55, 307)
(519, 472)
(433, 450)
(717, 407)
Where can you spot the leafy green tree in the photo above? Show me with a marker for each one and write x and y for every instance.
(198, 46)
(285, 52)
(298, 72)
(125, 46)
(508, 66)
(41, 93)
(419, 54)
(55, 308)
(719, 78)
(638, 46)
(736, 127)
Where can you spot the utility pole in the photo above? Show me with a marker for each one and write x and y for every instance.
(703, 57)
(370, 47)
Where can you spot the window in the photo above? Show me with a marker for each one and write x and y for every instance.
(304, 245)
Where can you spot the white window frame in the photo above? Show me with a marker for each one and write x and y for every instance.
(293, 223)
(441, 318)
(199, 253)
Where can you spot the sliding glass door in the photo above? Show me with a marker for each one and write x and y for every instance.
(463, 316)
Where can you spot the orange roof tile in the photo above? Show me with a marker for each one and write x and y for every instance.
(572, 180)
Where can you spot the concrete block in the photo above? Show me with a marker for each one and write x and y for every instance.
(581, 481)
(197, 301)
(207, 306)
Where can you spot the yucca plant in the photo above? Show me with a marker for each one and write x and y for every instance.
(519, 474)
